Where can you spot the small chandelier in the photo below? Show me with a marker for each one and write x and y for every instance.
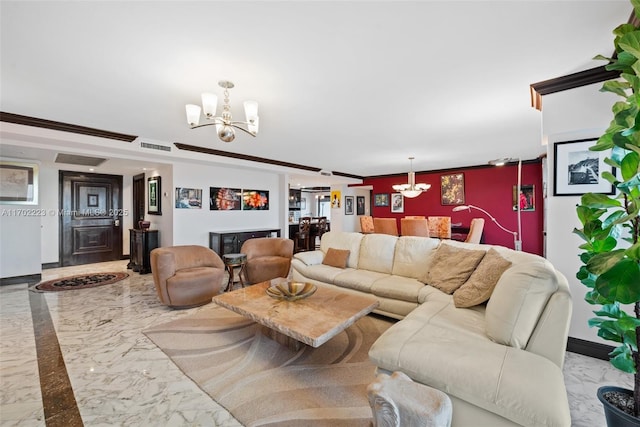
(224, 124)
(411, 189)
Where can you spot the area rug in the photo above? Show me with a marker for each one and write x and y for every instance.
(263, 383)
(81, 281)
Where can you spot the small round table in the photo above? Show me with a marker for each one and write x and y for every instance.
(231, 262)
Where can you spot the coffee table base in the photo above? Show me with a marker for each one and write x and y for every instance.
(291, 343)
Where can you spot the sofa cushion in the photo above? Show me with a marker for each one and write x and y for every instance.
(451, 267)
(336, 257)
(413, 255)
(341, 240)
(376, 252)
(357, 279)
(397, 287)
(518, 300)
(516, 384)
(478, 288)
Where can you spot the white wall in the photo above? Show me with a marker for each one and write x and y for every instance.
(20, 237)
(192, 226)
(574, 114)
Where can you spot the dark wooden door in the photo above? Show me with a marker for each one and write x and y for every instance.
(91, 218)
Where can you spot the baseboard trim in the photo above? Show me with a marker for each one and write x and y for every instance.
(29, 279)
(589, 348)
(48, 265)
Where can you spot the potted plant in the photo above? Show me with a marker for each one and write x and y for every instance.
(611, 228)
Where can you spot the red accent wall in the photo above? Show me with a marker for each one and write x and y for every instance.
(489, 188)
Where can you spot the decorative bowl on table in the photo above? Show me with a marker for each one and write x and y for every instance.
(291, 291)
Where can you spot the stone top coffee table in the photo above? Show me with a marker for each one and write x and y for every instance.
(312, 321)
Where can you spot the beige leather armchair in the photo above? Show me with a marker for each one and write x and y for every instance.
(267, 258)
(186, 276)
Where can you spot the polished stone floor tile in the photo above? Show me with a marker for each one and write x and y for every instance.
(119, 377)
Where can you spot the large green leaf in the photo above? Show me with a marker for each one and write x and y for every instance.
(603, 262)
(605, 245)
(618, 88)
(598, 201)
(630, 42)
(621, 282)
(622, 359)
(630, 164)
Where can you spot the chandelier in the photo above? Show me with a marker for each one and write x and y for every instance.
(224, 123)
(411, 189)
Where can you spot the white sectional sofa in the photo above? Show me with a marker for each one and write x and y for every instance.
(500, 362)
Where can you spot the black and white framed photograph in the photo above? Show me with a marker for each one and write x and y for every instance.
(348, 205)
(154, 188)
(18, 183)
(397, 203)
(576, 170)
(359, 205)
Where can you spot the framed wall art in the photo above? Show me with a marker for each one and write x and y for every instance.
(18, 183)
(526, 198)
(452, 189)
(154, 188)
(188, 198)
(359, 205)
(335, 199)
(348, 205)
(576, 170)
(397, 203)
(381, 200)
(225, 199)
(255, 200)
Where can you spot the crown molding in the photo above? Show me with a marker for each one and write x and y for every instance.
(64, 127)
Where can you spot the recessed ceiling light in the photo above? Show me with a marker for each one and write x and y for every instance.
(91, 169)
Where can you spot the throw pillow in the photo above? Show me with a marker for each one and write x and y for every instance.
(451, 267)
(478, 288)
(336, 257)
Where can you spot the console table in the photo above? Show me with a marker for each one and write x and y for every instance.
(230, 242)
(141, 243)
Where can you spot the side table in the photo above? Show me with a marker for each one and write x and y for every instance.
(231, 262)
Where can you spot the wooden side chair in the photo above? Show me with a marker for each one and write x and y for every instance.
(415, 217)
(322, 228)
(385, 226)
(302, 239)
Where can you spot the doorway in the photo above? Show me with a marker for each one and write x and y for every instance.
(90, 218)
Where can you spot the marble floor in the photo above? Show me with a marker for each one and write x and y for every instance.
(118, 377)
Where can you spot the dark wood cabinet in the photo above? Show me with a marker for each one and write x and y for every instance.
(141, 243)
(230, 242)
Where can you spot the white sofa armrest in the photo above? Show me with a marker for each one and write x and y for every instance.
(311, 257)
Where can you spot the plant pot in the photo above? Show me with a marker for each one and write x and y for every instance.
(616, 417)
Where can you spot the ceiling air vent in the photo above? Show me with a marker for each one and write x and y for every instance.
(74, 159)
(155, 146)
(326, 173)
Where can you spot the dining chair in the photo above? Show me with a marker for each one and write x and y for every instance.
(385, 226)
(414, 227)
(415, 217)
(439, 227)
(475, 230)
(366, 224)
(322, 228)
(302, 239)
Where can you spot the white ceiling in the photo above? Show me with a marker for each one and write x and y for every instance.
(349, 86)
